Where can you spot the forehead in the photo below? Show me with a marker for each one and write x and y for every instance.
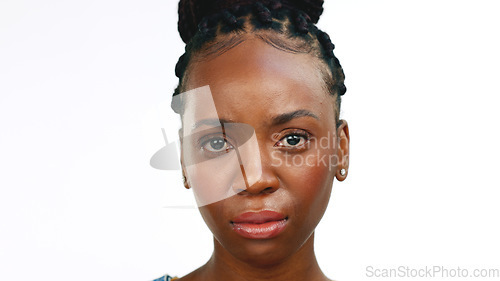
(254, 80)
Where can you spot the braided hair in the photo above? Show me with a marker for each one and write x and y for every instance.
(211, 27)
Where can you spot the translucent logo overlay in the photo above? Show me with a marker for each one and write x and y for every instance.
(219, 159)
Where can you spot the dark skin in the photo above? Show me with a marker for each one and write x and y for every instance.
(253, 83)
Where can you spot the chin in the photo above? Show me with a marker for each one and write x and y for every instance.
(262, 254)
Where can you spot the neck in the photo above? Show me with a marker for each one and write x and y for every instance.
(302, 265)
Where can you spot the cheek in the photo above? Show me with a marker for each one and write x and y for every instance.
(310, 180)
(212, 215)
(212, 180)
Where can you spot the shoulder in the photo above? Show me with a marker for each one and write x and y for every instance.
(193, 276)
(166, 277)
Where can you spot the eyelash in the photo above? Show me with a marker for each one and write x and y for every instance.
(300, 133)
(303, 134)
(209, 139)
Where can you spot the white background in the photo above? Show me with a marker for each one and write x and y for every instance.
(85, 88)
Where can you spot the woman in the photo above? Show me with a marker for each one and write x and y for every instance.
(261, 139)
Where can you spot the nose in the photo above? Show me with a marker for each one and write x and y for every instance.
(267, 183)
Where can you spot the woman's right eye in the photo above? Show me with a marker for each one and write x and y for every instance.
(216, 145)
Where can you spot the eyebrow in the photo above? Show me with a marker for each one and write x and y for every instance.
(275, 121)
(289, 116)
(213, 122)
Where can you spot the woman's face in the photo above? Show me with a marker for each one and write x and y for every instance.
(281, 96)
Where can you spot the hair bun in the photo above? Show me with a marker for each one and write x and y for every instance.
(191, 12)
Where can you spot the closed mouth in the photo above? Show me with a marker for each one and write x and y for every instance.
(259, 225)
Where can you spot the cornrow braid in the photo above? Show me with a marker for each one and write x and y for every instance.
(295, 19)
(301, 23)
(263, 13)
(326, 42)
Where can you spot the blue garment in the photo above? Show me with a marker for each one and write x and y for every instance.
(166, 277)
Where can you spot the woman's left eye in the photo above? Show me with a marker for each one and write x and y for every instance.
(293, 140)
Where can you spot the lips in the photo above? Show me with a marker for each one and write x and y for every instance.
(259, 225)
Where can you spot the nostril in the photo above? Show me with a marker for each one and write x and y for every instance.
(264, 191)
(268, 190)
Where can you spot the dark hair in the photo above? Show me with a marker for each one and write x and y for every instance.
(286, 25)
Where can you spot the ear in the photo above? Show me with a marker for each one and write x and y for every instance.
(184, 178)
(342, 150)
